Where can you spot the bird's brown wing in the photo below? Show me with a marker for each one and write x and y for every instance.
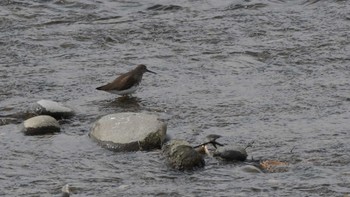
(123, 82)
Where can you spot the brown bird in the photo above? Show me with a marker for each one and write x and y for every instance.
(126, 83)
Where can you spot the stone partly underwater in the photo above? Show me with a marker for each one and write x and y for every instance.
(129, 132)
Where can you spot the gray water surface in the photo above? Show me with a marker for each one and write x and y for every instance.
(275, 72)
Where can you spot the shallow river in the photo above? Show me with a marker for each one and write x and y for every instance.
(275, 72)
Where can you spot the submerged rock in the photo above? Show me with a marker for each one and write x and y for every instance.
(65, 191)
(51, 108)
(230, 153)
(274, 166)
(180, 155)
(129, 132)
(251, 169)
(5, 121)
(40, 125)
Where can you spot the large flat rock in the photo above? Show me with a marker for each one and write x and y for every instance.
(129, 132)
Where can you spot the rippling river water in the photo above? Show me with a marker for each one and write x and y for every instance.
(275, 72)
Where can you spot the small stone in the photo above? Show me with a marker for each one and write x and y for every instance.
(231, 153)
(65, 191)
(51, 108)
(274, 166)
(40, 125)
(129, 132)
(251, 169)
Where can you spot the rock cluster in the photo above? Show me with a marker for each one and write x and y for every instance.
(46, 113)
(143, 132)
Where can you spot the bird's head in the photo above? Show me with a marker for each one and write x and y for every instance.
(142, 68)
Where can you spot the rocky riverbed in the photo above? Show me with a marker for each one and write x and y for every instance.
(274, 72)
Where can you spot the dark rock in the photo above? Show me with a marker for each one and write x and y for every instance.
(231, 153)
(180, 155)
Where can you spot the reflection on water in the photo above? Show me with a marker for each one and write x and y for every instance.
(273, 72)
(127, 103)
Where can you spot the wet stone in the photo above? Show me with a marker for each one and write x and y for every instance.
(40, 125)
(51, 108)
(251, 169)
(180, 155)
(230, 153)
(274, 166)
(129, 132)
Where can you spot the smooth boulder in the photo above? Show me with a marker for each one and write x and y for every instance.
(182, 156)
(40, 125)
(230, 153)
(51, 108)
(129, 132)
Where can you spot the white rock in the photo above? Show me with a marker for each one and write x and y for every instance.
(51, 108)
(129, 131)
(40, 125)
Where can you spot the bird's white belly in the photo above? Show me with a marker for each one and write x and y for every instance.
(124, 92)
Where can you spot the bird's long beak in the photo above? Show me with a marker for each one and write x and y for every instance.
(213, 142)
(150, 71)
